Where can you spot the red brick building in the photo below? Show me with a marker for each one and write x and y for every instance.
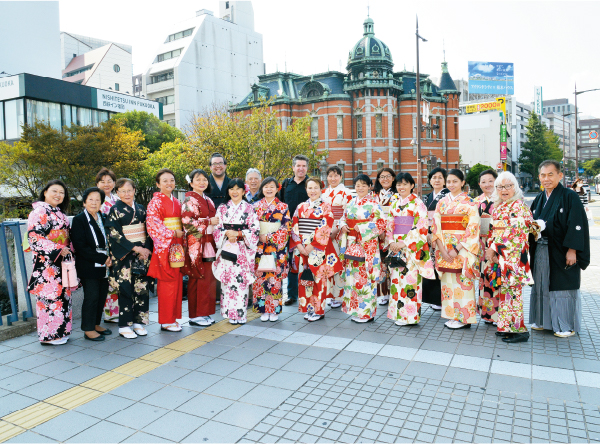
(366, 117)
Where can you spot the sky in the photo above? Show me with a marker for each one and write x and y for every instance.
(551, 43)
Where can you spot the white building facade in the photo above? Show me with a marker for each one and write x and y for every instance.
(479, 139)
(205, 61)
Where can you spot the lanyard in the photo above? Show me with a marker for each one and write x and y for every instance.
(87, 215)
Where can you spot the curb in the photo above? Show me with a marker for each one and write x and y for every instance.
(18, 328)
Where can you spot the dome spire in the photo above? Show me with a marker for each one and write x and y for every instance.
(369, 27)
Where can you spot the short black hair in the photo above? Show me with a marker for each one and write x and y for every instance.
(334, 169)
(236, 182)
(64, 205)
(265, 182)
(458, 173)
(377, 188)
(91, 190)
(205, 174)
(362, 178)
(122, 181)
(549, 162)
(213, 155)
(161, 172)
(489, 171)
(406, 177)
(435, 171)
(105, 172)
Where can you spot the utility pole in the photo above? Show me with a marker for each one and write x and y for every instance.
(418, 89)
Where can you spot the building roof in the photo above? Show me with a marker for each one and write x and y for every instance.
(369, 48)
(82, 67)
(446, 82)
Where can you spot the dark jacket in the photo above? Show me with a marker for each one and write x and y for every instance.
(293, 193)
(218, 195)
(85, 247)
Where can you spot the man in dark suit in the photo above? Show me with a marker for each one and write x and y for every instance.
(218, 179)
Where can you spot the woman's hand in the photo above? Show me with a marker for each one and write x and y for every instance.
(214, 220)
(178, 233)
(490, 254)
(382, 236)
(142, 252)
(344, 229)
(65, 251)
(108, 262)
(334, 233)
(308, 249)
(302, 250)
(395, 247)
(262, 238)
(231, 236)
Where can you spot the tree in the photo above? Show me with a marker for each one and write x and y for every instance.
(473, 176)
(17, 175)
(592, 167)
(553, 142)
(155, 131)
(537, 148)
(255, 139)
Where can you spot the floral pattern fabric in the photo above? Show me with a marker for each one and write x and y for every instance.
(111, 307)
(196, 211)
(384, 198)
(266, 289)
(236, 277)
(406, 282)
(487, 305)
(458, 289)
(360, 288)
(47, 233)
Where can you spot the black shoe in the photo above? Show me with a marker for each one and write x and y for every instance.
(105, 332)
(502, 334)
(96, 339)
(516, 337)
(289, 302)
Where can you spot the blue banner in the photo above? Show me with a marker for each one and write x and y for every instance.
(491, 78)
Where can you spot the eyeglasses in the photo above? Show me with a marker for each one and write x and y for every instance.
(386, 177)
(220, 164)
(505, 187)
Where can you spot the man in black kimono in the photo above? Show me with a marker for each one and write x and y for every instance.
(558, 256)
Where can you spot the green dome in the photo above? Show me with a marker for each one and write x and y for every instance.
(369, 48)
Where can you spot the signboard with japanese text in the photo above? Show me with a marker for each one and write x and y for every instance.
(486, 106)
(538, 103)
(120, 103)
(9, 87)
(503, 143)
(491, 78)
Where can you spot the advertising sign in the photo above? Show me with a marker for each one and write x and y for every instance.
(503, 143)
(538, 104)
(9, 87)
(491, 78)
(487, 106)
(120, 103)
(502, 102)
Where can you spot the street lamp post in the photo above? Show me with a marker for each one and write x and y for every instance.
(563, 137)
(577, 130)
(418, 89)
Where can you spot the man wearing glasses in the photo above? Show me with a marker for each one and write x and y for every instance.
(218, 179)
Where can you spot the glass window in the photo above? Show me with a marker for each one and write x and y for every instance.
(379, 165)
(341, 166)
(314, 128)
(116, 68)
(102, 116)
(84, 116)
(340, 127)
(116, 87)
(54, 115)
(162, 77)
(66, 115)
(95, 117)
(180, 35)
(168, 55)
(359, 169)
(359, 127)
(1, 121)
(166, 100)
(378, 126)
(14, 114)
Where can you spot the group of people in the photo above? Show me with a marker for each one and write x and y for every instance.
(243, 241)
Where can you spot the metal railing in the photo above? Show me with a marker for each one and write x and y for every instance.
(14, 227)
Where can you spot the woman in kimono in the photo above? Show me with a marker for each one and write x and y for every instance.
(432, 288)
(384, 189)
(275, 225)
(507, 266)
(361, 226)
(236, 237)
(338, 196)
(198, 217)
(313, 251)
(487, 305)
(456, 234)
(130, 249)
(105, 180)
(48, 237)
(409, 226)
(164, 227)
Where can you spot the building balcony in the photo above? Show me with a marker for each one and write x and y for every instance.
(160, 86)
(168, 109)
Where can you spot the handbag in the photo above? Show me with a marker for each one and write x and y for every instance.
(176, 256)
(267, 264)
(69, 274)
(139, 266)
(208, 252)
(395, 261)
(230, 251)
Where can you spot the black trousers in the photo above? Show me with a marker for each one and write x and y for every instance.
(94, 297)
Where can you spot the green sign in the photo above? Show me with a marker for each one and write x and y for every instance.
(502, 133)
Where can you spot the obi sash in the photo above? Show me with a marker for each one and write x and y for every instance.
(308, 226)
(173, 223)
(455, 222)
(235, 227)
(403, 224)
(269, 227)
(338, 211)
(60, 237)
(135, 233)
(352, 226)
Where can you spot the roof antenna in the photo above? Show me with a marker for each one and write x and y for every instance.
(368, 13)
(444, 47)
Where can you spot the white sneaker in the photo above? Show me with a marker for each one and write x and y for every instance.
(264, 317)
(436, 307)
(127, 333)
(401, 323)
(273, 317)
(384, 300)
(335, 304)
(140, 330)
(564, 334)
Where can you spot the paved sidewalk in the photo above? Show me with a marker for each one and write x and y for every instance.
(290, 381)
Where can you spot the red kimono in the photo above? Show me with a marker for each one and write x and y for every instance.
(196, 212)
(169, 281)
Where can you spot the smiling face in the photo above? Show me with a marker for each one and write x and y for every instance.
(218, 167)
(550, 177)
(54, 195)
(300, 169)
(313, 189)
(253, 181)
(93, 202)
(486, 183)
(454, 184)
(166, 183)
(404, 188)
(506, 190)
(126, 193)
(362, 189)
(199, 183)
(106, 184)
(270, 190)
(236, 193)
(386, 180)
(437, 182)
(333, 179)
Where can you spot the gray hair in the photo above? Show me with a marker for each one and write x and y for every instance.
(299, 157)
(253, 170)
(507, 176)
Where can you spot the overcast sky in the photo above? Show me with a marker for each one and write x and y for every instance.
(552, 44)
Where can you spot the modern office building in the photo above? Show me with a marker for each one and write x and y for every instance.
(589, 148)
(94, 62)
(205, 61)
(25, 98)
(30, 36)
(560, 113)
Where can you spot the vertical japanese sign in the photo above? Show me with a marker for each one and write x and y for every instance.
(503, 143)
(538, 103)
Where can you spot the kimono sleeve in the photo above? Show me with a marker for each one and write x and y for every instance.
(38, 228)
(117, 242)
(470, 240)
(436, 226)
(219, 232)
(157, 230)
(577, 234)
(322, 233)
(295, 233)
(189, 218)
(280, 238)
(416, 238)
(251, 233)
(375, 226)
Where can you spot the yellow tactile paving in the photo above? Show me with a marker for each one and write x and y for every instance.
(107, 382)
(137, 367)
(33, 415)
(8, 431)
(222, 326)
(185, 345)
(74, 397)
(206, 335)
(162, 355)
